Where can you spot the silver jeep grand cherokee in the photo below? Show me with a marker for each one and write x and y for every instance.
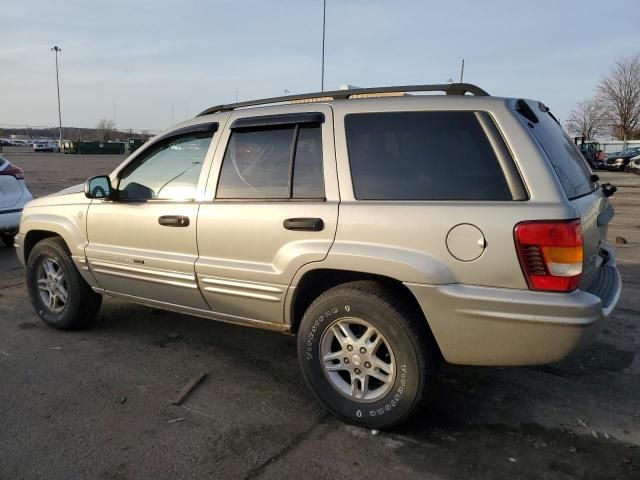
(388, 231)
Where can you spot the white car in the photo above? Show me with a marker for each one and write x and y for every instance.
(45, 146)
(634, 165)
(14, 194)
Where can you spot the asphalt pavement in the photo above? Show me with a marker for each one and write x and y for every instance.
(98, 403)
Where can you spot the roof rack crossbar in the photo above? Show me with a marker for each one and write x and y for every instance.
(448, 88)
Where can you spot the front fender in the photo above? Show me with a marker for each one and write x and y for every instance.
(68, 222)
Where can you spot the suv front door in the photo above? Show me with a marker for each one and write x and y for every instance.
(142, 245)
(272, 207)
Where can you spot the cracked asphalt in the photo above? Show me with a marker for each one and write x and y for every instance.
(98, 403)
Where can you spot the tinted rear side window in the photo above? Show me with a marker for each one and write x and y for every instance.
(422, 156)
(565, 157)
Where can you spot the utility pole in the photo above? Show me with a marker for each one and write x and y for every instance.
(324, 18)
(57, 50)
(462, 70)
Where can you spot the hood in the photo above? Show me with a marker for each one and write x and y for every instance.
(74, 189)
(69, 196)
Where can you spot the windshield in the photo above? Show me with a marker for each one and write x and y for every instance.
(630, 151)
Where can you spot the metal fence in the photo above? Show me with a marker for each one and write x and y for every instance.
(37, 132)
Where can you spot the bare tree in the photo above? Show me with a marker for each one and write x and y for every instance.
(105, 129)
(619, 93)
(588, 120)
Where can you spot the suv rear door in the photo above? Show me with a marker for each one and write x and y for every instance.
(574, 173)
(271, 206)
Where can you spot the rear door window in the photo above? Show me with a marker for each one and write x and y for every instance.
(566, 159)
(281, 162)
(423, 156)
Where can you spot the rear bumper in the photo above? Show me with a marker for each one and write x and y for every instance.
(495, 326)
(18, 243)
(615, 167)
(10, 220)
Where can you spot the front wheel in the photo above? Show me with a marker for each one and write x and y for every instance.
(59, 294)
(366, 356)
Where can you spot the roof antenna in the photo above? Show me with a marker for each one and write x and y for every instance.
(462, 70)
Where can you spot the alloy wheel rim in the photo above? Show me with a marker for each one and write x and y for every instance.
(357, 360)
(52, 285)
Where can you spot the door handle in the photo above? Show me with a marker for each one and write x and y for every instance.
(304, 224)
(173, 221)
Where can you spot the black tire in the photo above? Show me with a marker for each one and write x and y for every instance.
(416, 354)
(82, 305)
(8, 239)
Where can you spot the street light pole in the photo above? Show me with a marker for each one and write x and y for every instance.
(57, 50)
(324, 16)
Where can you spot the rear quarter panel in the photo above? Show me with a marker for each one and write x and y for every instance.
(406, 240)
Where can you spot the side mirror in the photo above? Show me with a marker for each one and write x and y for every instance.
(98, 187)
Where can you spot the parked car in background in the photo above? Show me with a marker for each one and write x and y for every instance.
(388, 233)
(599, 160)
(634, 165)
(619, 160)
(599, 164)
(46, 146)
(21, 143)
(14, 194)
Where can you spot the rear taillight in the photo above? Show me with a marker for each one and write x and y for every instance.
(13, 171)
(550, 254)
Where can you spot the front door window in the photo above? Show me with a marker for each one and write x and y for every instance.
(168, 171)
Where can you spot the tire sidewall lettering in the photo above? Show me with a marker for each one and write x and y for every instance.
(405, 386)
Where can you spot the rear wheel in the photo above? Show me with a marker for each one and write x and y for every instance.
(366, 356)
(59, 294)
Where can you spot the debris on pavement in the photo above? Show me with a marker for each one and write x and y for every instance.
(188, 388)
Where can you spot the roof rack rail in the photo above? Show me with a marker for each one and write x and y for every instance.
(448, 88)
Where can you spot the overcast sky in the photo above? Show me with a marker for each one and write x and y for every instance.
(146, 55)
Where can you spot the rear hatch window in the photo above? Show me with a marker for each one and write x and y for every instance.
(565, 157)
